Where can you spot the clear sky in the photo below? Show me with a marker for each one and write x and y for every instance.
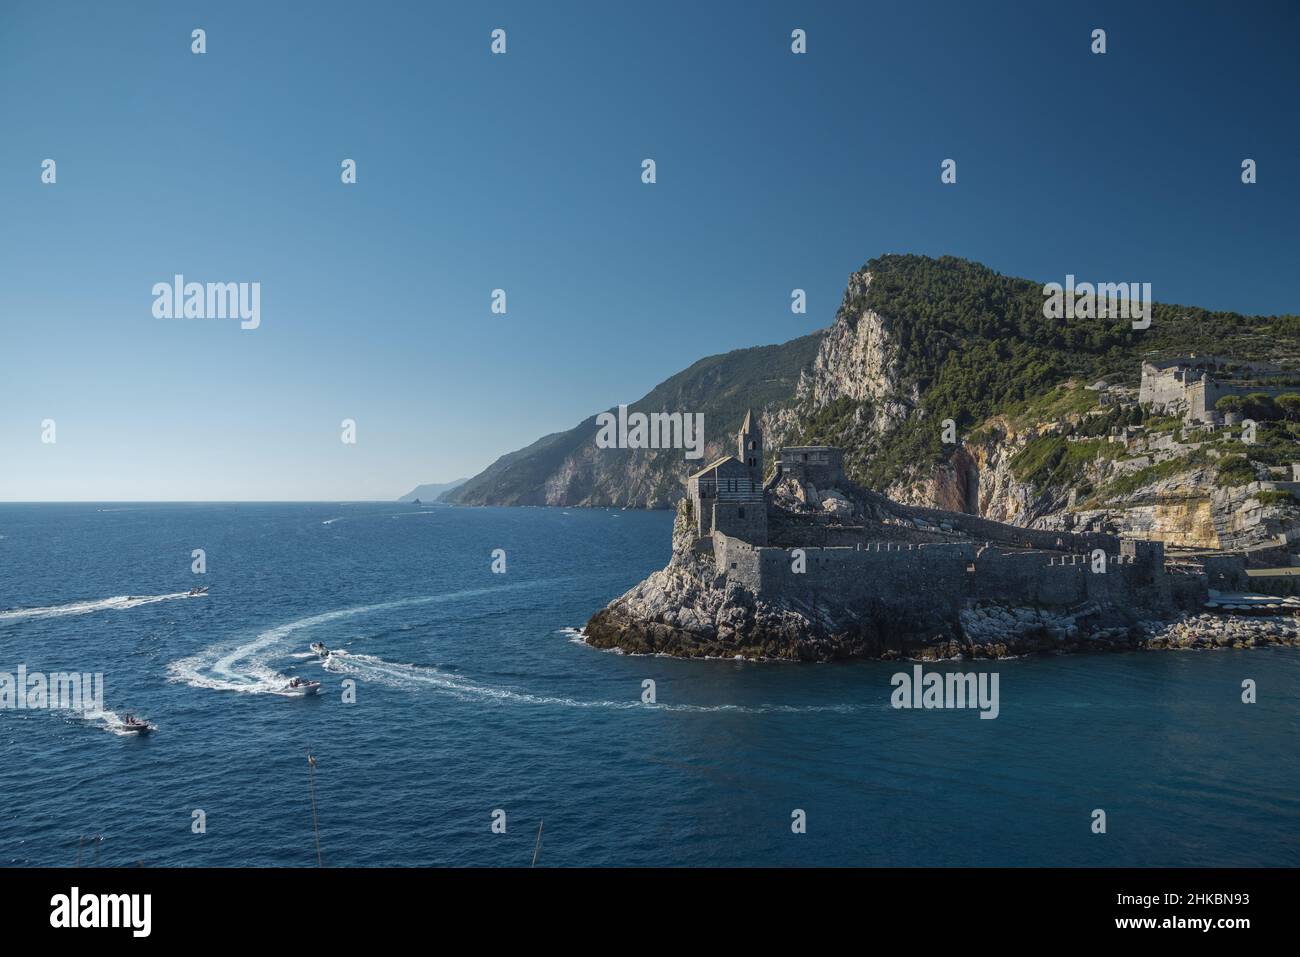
(523, 172)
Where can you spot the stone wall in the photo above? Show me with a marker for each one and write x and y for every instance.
(983, 529)
(938, 579)
(1162, 385)
(820, 466)
(744, 520)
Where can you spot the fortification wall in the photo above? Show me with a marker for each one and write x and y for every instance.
(984, 529)
(744, 520)
(880, 574)
(936, 579)
(738, 560)
(1160, 387)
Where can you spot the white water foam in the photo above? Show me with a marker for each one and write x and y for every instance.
(109, 721)
(578, 636)
(243, 667)
(116, 603)
(408, 677)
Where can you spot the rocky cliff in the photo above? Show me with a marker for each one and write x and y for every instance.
(946, 387)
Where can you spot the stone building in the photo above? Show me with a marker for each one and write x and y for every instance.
(821, 466)
(897, 562)
(1191, 386)
(727, 495)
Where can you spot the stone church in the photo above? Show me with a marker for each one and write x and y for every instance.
(728, 494)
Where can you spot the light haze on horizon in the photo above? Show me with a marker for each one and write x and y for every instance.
(522, 172)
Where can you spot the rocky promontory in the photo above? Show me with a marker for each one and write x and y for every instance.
(693, 609)
(681, 611)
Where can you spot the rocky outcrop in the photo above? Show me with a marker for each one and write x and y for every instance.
(859, 360)
(686, 611)
(691, 608)
(1223, 631)
(978, 479)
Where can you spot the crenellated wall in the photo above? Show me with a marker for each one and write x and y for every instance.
(938, 578)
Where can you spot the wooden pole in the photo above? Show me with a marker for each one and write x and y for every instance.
(315, 826)
(537, 849)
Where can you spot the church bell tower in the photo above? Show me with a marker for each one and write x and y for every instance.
(751, 446)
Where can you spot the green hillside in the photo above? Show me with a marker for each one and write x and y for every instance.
(721, 387)
(975, 343)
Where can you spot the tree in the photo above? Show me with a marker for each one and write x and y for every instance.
(1289, 406)
(1259, 406)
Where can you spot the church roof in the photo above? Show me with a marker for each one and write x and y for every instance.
(713, 465)
(748, 425)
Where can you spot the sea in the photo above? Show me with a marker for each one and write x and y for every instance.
(461, 720)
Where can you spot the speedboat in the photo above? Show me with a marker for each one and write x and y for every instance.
(320, 649)
(131, 723)
(198, 590)
(301, 686)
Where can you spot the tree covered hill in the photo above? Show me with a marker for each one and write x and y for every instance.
(971, 343)
(949, 339)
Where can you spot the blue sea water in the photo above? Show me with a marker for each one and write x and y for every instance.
(473, 695)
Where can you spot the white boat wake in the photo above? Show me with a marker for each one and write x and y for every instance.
(369, 668)
(117, 603)
(109, 721)
(244, 667)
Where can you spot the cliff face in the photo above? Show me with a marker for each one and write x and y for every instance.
(918, 342)
(976, 479)
(1184, 507)
(858, 367)
(858, 362)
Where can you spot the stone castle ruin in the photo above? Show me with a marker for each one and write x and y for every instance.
(1190, 386)
(809, 540)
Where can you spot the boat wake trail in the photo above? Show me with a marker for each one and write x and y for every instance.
(407, 677)
(244, 667)
(117, 603)
(109, 721)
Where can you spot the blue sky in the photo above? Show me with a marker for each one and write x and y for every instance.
(522, 172)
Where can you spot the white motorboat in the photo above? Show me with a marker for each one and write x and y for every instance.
(301, 686)
(320, 649)
(133, 724)
(198, 591)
